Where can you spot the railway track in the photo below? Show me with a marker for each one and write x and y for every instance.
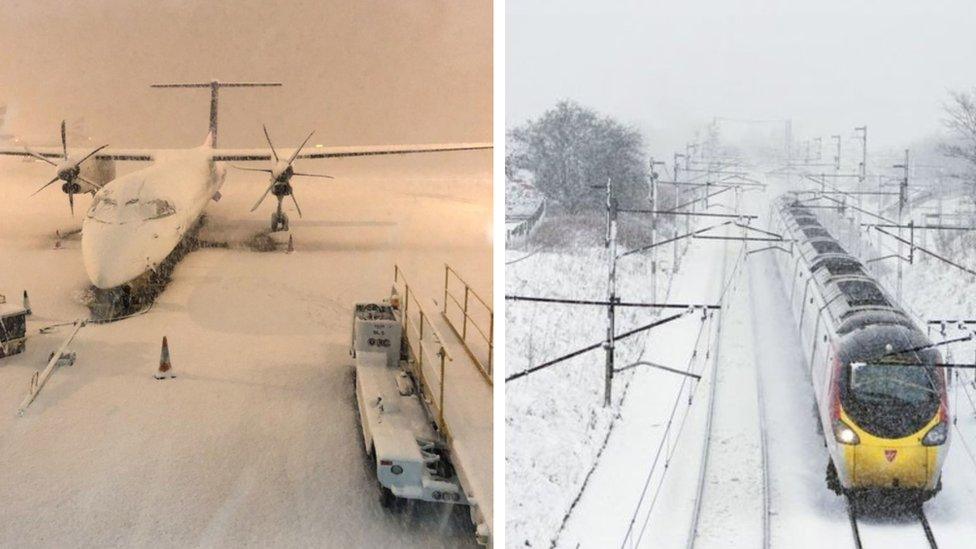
(852, 514)
(728, 278)
(761, 409)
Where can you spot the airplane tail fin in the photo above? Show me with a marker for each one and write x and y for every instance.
(214, 86)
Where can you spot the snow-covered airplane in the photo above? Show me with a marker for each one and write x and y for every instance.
(136, 220)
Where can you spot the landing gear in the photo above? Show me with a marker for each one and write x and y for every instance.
(279, 222)
(279, 219)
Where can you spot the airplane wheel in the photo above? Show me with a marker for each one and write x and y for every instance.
(284, 222)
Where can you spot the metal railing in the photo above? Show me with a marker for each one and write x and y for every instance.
(416, 326)
(481, 350)
(524, 227)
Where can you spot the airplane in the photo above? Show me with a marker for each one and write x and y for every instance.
(137, 220)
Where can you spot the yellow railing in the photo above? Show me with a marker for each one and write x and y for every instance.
(475, 313)
(417, 326)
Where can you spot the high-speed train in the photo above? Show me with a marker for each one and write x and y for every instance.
(882, 404)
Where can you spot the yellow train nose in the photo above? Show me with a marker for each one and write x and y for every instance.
(890, 466)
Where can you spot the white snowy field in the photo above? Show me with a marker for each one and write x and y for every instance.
(555, 422)
(256, 441)
(758, 348)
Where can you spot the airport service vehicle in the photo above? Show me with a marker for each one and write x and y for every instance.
(880, 396)
(410, 457)
(138, 221)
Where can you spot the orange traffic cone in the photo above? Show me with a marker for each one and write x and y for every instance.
(165, 367)
(291, 244)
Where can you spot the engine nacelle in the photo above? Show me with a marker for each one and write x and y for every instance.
(97, 170)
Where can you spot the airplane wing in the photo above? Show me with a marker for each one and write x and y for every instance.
(239, 155)
(56, 153)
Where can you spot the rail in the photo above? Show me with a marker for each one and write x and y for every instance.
(481, 350)
(422, 351)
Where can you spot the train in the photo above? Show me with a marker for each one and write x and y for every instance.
(881, 395)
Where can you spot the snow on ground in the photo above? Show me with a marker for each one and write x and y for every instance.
(555, 422)
(256, 442)
(758, 339)
(613, 497)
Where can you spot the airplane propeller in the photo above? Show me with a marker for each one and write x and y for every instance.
(281, 172)
(69, 170)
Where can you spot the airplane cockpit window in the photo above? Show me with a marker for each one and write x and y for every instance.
(108, 210)
(103, 208)
(155, 209)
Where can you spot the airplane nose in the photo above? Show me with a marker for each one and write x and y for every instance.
(111, 255)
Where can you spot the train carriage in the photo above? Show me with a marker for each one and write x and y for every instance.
(881, 401)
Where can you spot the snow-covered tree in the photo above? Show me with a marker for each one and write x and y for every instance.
(960, 119)
(570, 149)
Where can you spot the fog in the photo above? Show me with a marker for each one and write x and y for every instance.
(669, 67)
(365, 72)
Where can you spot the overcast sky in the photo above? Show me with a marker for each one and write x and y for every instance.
(670, 66)
(359, 72)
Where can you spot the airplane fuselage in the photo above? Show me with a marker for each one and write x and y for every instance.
(136, 220)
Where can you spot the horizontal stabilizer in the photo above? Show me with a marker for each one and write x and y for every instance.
(218, 83)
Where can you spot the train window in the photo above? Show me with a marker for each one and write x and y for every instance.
(885, 383)
(815, 232)
(841, 266)
(828, 247)
(863, 293)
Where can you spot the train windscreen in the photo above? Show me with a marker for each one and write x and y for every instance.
(892, 383)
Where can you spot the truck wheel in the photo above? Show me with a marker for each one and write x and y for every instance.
(387, 499)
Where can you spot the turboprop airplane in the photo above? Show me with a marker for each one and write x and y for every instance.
(136, 221)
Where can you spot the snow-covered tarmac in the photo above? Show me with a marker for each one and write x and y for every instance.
(256, 441)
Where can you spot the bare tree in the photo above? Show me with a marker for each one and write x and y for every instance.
(961, 121)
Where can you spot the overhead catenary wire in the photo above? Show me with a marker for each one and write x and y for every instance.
(727, 283)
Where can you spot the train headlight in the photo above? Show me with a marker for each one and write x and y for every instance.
(937, 435)
(844, 434)
(396, 470)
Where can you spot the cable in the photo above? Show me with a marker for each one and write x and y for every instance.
(526, 256)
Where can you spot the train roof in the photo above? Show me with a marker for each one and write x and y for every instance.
(854, 299)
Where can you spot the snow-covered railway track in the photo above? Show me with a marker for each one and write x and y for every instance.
(727, 281)
(703, 468)
(858, 529)
(761, 408)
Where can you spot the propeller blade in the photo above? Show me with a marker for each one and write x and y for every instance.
(295, 200)
(39, 157)
(89, 155)
(263, 196)
(268, 137)
(71, 203)
(56, 178)
(64, 141)
(314, 175)
(300, 147)
(265, 170)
